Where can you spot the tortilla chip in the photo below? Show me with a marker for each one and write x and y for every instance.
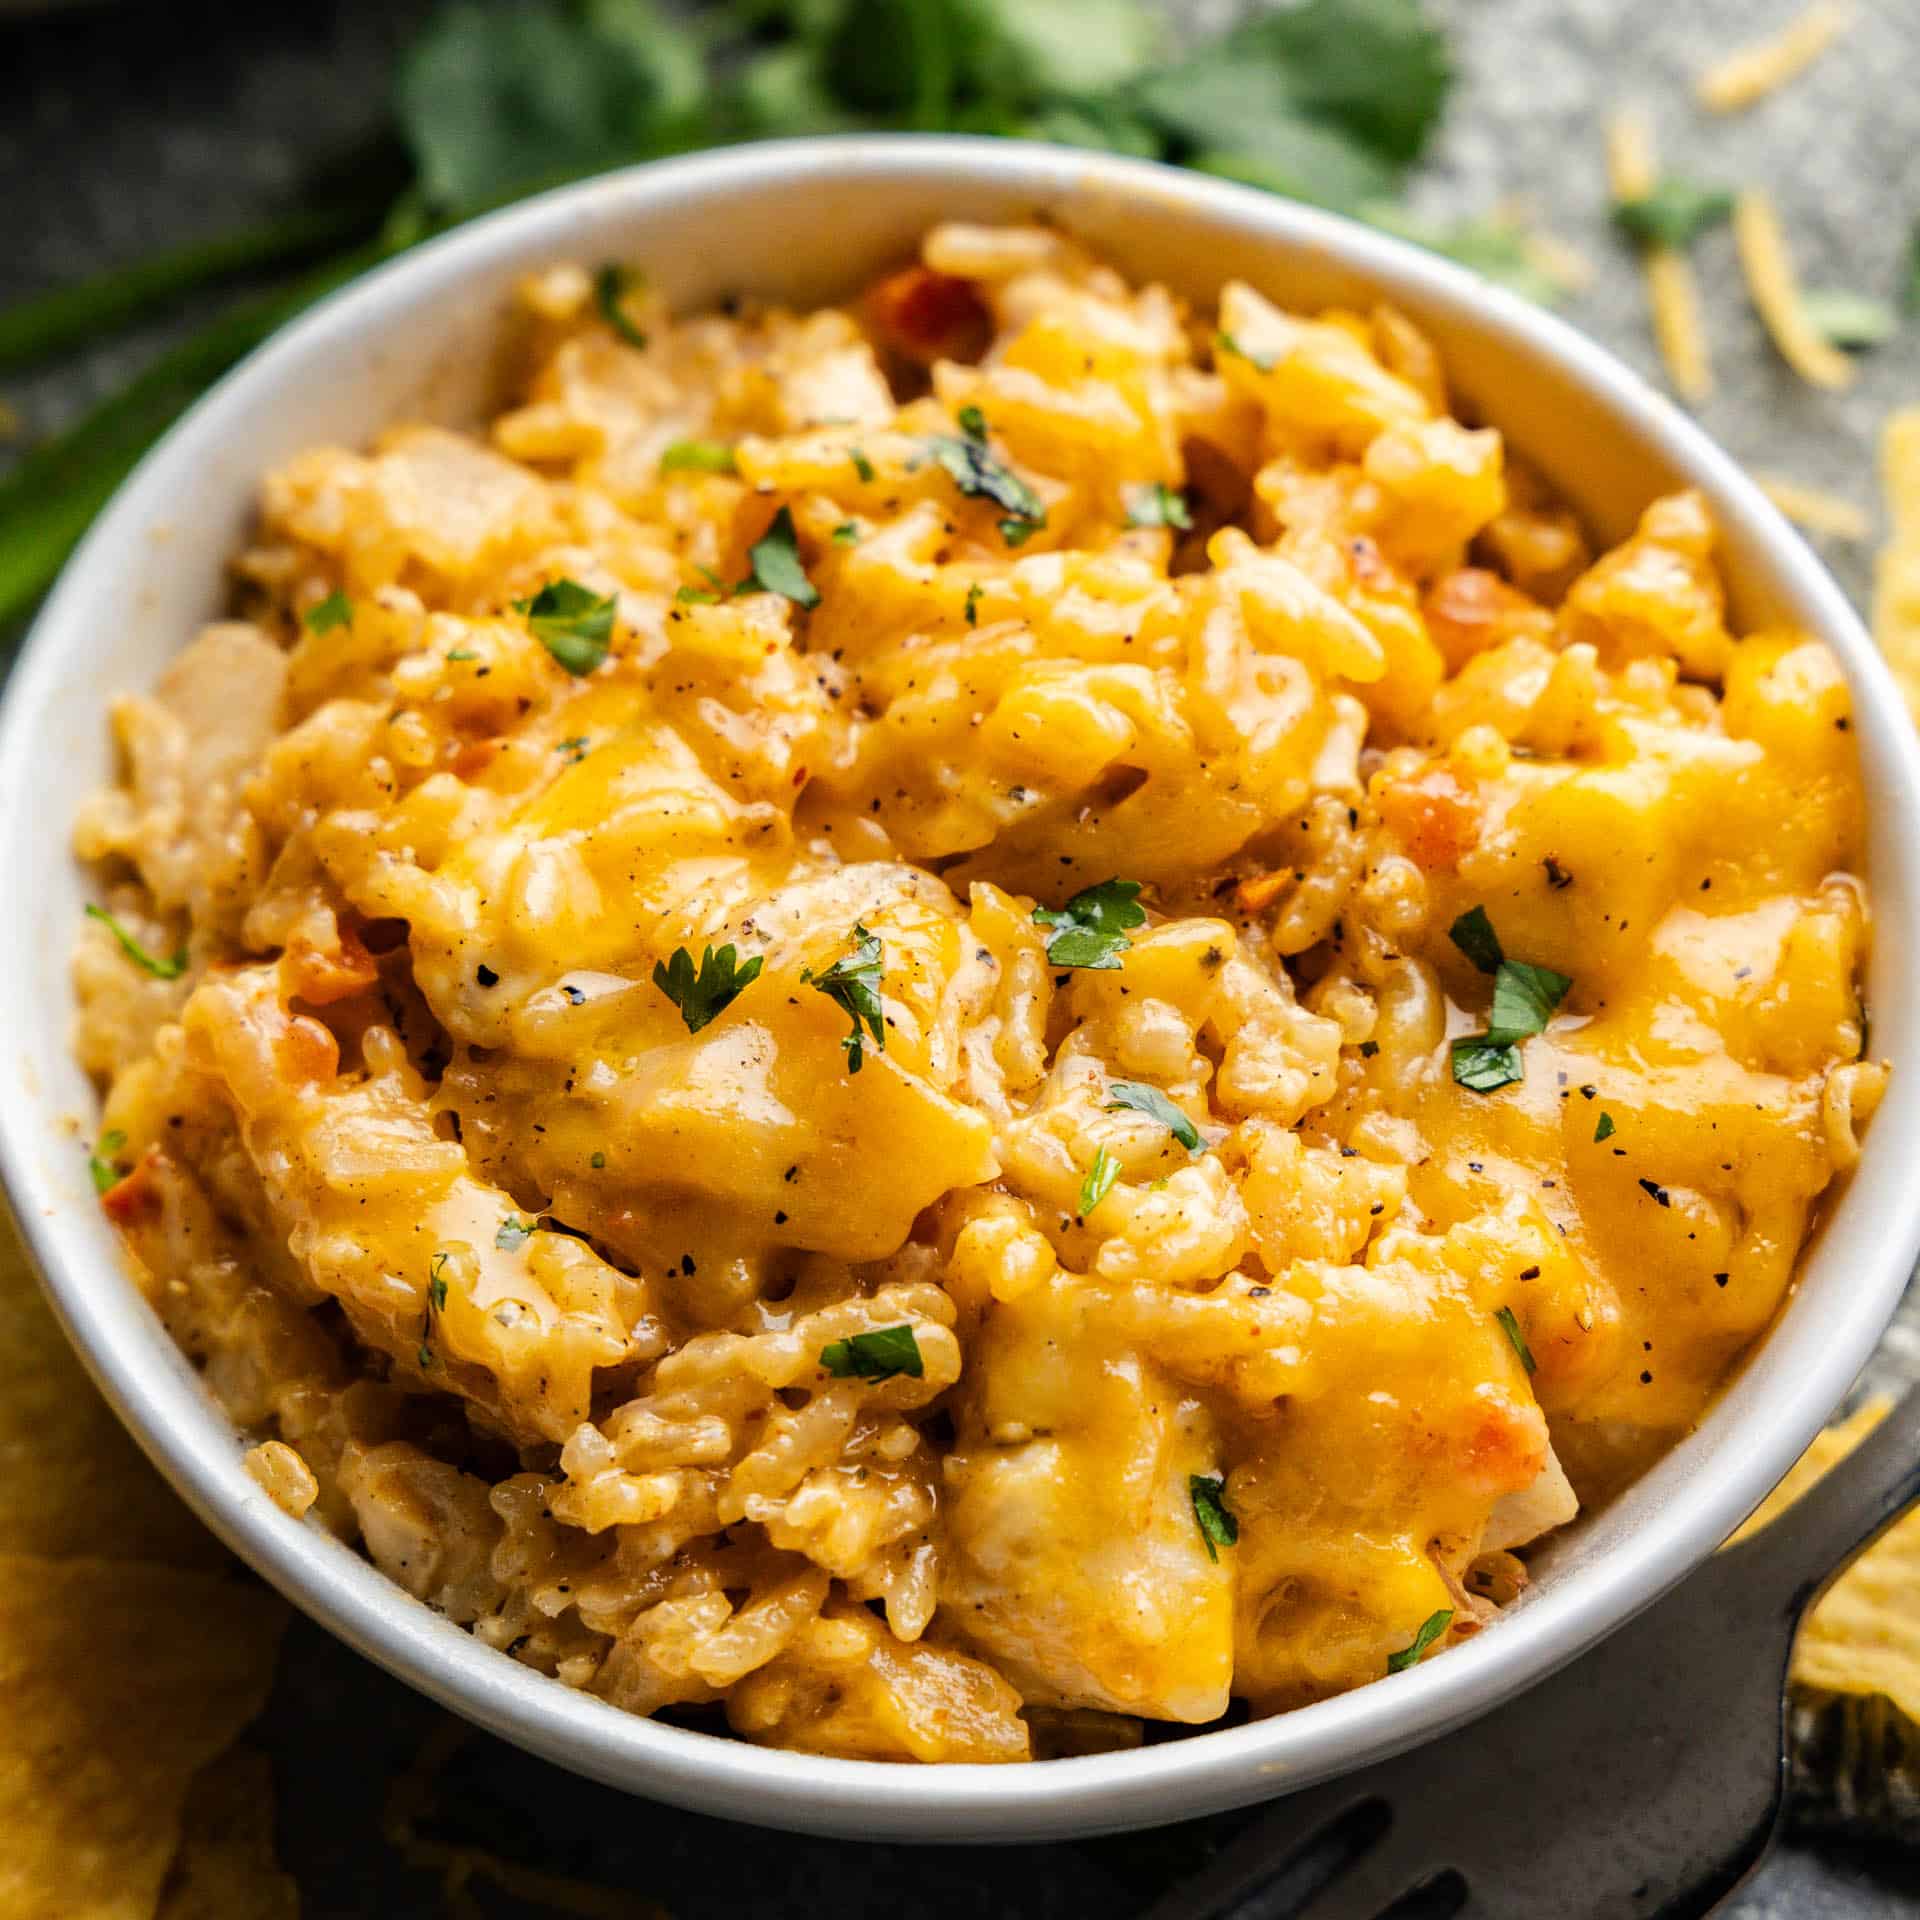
(225, 1869)
(71, 1481)
(120, 1683)
(1864, 1636)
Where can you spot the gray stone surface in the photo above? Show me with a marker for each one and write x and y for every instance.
(125, 128)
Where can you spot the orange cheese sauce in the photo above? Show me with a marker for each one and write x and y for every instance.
(1246, 1337)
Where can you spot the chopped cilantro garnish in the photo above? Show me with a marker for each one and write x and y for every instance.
(878, 1355)
(862, 466)
(1431, 1628)
(100, 1162)
(846, 533)
(573, 622)
(610, 286)
(980, 474)
(701, 995)
(1218, 1527)
(1604, 1131)
(775, 559)
(1090, 930)
(1524, 998)
(462, 653)
(698, 456)
(1849, 320)
(437, 1290)
(1482, 1065)
(598, 1161)
(1156, 1106)
(1224, 342)
(1473, 934)
(1098, 1182)
(696, 596)
(161, 966)
(973, 423)
(1158, 505)
(973, 603)
(1510, 1326)
(853, 984)
(514, 1233)
(336, 610)
(1674, 214)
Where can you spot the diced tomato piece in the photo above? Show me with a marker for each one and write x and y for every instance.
(1434, 817)
(135, 1196)
(926, 316)
(320, 978)
(1470, 610)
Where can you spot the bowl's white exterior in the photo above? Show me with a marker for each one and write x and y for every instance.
(807, 220)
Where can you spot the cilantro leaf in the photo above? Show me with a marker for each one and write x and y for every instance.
(1849, 320)
(1315, 91)
(853, 984)
(1482, 1065)
(162, 967)
(1098, 1182)
(1674, 214)
(878, 1355)
(100, 1162)
(1473, 934)
(698, 456)
(513, 1234)
(1524, 998)
(610, 286)
(497, 100)
(1302, 161)
(573, 622)
(1510, 1326)
(336, 610)
(847, 533)
(862, 466)
(981, 475)
(775, 558)
(1604, 1130)
(702, 995)
(1224, 342)
(1158, 505)
(1218, 1526)
(1090, 930)
(1156, 1106)
(1431, 1628)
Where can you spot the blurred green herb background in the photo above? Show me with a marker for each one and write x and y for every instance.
(1330, 101)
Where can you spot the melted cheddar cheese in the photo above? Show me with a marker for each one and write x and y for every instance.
(1245, 1339)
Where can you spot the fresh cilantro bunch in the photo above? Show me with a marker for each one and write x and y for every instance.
(1330, 101)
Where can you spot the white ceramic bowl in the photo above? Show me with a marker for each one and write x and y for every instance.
(810, 220)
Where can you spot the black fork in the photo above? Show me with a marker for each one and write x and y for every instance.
(1644, 1782)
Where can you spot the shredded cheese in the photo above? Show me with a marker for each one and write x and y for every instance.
(1896, 583)
(1633, 171)
(1775, 291)
(1818, 512)
(1752, 72)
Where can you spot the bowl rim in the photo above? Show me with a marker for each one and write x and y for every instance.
(196, 1449)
